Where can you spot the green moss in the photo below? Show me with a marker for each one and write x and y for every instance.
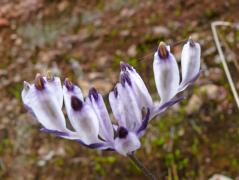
(15, 90)
(58, 161)
(169, 159)
(5, 144)
(100, 169)
(195, 146)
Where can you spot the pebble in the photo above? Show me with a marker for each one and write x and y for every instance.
(194, 104)
(132, 51)
(219, 177)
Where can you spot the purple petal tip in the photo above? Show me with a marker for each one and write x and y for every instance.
(124, 66)
(68, 84)
(93, 94)
(191, 42)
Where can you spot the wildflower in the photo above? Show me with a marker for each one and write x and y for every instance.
(166, 72)
(130, 101)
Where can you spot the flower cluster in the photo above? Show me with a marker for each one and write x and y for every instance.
(130, 101)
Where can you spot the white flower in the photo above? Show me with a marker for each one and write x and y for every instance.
(130, 101)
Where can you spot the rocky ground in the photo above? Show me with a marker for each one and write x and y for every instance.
(85, 41)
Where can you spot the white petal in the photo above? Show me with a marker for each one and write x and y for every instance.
(85, 121)
(76, 137)
(45, 106)
(131, 109)
(117, 107)
(166, 76)
(138, 85)
(190, 62)
(81, 115)
(96, 101)
(128, 144)
(69, 90)
(55, 87)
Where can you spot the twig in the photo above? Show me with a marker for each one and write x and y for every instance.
(230, 51)
(145, 171)
(222, 57)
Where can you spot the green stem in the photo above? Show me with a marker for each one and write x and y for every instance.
(144, 170)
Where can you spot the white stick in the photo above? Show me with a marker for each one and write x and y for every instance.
(222, 57)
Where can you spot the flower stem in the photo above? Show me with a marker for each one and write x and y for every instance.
(145, 171)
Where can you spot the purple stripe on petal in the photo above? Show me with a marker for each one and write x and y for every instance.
(194, 78)
(54, 132)
(145, 122)
(93, 93)
(171, 102)
(62, 134)
(109, 149)
(116, 93)
(124, 78)
(29, 109)
(185, 85)
(91, 146)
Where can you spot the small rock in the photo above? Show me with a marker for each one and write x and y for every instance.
(209, 51)
(219, 177)
(160, 30)
(214, 92)
(63, 5)
(194, 104)
(95, 75)
(4, 22)
(102, 61)
(125, 33)
(127, 12)
(215, 74)
(132, 51)
(103, 85)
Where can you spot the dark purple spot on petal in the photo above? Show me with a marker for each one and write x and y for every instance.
(68, 84)
(163, 51)
(93, 93)
(124, 78)
(39, 82)
(122, 132)
(116, 93)
(76, 103)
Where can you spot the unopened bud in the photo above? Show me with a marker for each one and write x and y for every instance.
(162, 50)
(39, 82)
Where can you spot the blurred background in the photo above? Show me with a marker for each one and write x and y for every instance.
(85, 41)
